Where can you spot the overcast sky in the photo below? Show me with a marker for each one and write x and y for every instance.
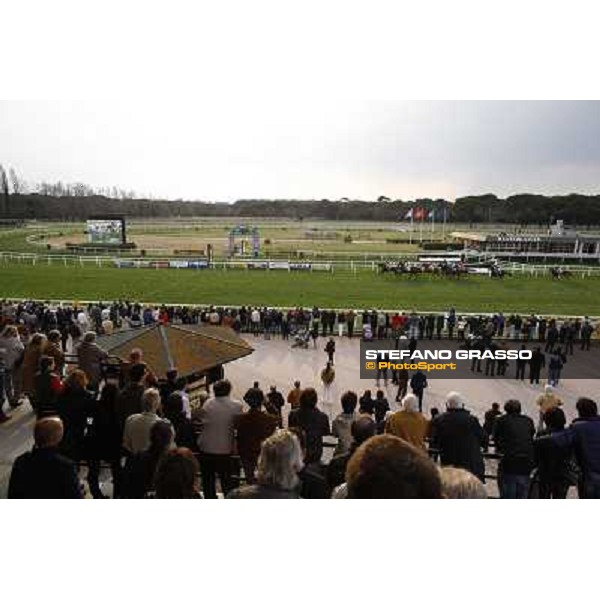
(319, 148)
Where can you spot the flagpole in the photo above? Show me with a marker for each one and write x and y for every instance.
(421, 228)
(444, 224)
(411, 226)
(432, 223)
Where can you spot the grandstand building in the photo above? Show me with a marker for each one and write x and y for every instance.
(558, 245)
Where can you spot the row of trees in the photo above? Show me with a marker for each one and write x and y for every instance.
(77, 201)
(11, 182)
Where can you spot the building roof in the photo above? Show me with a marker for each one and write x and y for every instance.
(187, 348)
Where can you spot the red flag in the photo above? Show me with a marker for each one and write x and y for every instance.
(420, 213)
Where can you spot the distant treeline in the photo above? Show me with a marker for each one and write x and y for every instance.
(574, 209)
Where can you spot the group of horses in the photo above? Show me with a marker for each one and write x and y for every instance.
(452, 270)
(455, 270)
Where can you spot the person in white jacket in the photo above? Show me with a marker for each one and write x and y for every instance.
(216, 440)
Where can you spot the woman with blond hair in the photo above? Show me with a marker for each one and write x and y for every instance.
(75, 406)
(459, 484)
(279, 463)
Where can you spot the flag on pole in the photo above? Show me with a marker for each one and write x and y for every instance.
(420, 213)
(408, 215)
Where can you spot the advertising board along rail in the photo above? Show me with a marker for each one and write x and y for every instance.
(158, 262)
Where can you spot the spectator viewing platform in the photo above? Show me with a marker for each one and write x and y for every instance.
(558, 243)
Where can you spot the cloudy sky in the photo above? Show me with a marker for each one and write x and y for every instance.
(306, 148)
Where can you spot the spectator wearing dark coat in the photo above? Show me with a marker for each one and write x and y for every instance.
(381, 407)
(536, 363)
(104, 441)
(129, 400)
(313, 422)
(169, 385)
(43, 473)
(489, 419)
(313, 480)
(366, 404)
(459, 437)
(583, 436)
(252, 429)
(418, 383)
(330, 349)
(554, 463)
(513, 435)
(274, 403)
(173, 410)
(138, 478)
(75, 405)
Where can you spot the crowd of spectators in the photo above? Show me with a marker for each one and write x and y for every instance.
(154, 449)
(75, 319)
(157, 443)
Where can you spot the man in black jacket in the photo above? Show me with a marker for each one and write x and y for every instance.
(418, 383)
(583, 436)
(521, 362)
(43, 473)
(439, 325)
(586, 334)
(330, 349)
(429, 326)
(551, 337)
(129, 401)
(536, 363)
(459, 437)
(513, 434)
(313, 422)
(554, 463)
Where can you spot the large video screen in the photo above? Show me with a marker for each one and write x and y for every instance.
(105, 231)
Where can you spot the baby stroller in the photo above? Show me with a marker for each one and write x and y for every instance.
(301, 339)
